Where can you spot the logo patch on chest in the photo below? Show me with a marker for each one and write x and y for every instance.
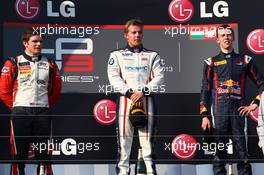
(218, 63)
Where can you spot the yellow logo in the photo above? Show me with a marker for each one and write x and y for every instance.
(25, 72)
(229, 83)
(220, 63)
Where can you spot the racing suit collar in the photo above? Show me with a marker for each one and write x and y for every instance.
(227, 55)
(29, 58)
(135, 49)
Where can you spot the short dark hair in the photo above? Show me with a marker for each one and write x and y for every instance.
(225, 26)
(133, 22)
(30, 31)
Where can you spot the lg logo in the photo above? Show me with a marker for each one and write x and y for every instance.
(220, 9)
(29, 9)
(255, 41)
(105, 112)
(67, 9)
(183, 10)
(184, 146)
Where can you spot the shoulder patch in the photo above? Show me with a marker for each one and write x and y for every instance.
(5, 69)
(247, 59)
(208, 61)
(12, 59)
(111, 61)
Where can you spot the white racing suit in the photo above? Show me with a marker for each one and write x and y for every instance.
(135, 70)
(260, 127)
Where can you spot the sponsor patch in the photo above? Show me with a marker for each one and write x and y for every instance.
(41, 82)
(27, 67)
(136, 68)
(24, 63)
(229, 83)
(24, 79)
(24, 71)
(208, 61)
(44, 66)
(5, 69)
(127, 54)
(202, 108)
(229, 90)
(111, 61)
(218, 63)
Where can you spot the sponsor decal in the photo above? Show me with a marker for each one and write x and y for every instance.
(111, 61)
(255, 41)
(41, 82)
(229, 83)
(67, 9)
(24, 67)
(5, 69)
(220, 10)
(127, 54)
(181, 10)
(184, 146)
(136, 68)
(202, 108)
(229, 90)
(105, 112)
(24, 63)
(44, 66)
(25, 72)
(24, 79)
(27, 9)
(218, 63)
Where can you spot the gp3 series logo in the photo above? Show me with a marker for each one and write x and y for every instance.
(255, 41)
(73, 60)
(27, 9)
(183, 10)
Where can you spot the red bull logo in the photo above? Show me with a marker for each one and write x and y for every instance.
(229, 83)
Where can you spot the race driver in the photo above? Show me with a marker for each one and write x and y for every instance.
(135, 73)
(223, 87)
(29, 85)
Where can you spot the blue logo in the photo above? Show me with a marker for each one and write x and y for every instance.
(136, 68)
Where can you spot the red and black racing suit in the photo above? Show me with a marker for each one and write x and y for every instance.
(223, 90)
(29, 86)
